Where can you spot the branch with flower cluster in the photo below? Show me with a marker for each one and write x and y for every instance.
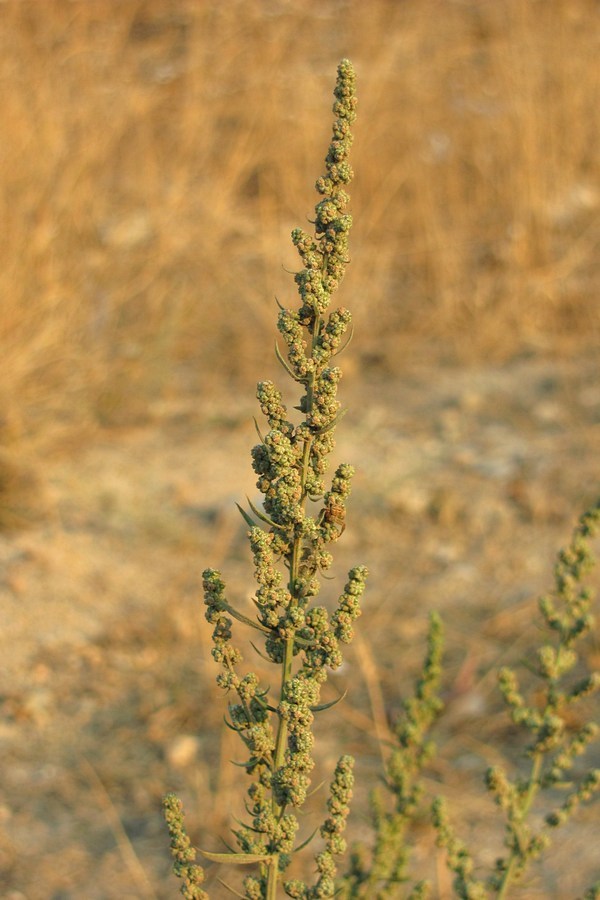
(290, 545)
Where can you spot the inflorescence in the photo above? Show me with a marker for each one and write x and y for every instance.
(289, 544)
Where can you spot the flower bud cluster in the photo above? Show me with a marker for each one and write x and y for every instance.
(332, 518)
(319, 637)
(325, 406)
(326, 256)
(554, 663)
(291, 780)
(252, 722)
(505, 793)
(184, 855)
(576, 746)
(348, 609)
(460, 860)
(574, 562)
(340, 795)
(271, 597)
(589, 786)
(330, 337)
(223, 652)
(273, 407)
(321, 447)
(291, 329)
(277, 463)
(324, 649)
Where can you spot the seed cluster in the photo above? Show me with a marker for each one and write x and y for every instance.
(289, 541)
(184, 855)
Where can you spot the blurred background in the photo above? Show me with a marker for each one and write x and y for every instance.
(155, 155)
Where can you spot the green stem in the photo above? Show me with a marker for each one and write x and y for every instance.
(273, 878)
(525, 806)
(288, 652)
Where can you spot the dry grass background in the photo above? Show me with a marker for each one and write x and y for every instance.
(154, 157)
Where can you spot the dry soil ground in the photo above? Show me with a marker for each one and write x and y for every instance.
(468, 481)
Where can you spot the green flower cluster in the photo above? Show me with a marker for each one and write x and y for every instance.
(338, 805)
(184, 855)
(289, 547)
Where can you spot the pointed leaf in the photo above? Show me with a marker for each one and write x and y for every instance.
(244, 825)
(332, 424)
(231, 725)
(230, 889)
(262, 440)
(306, 842)
(260, 653)
(229, 847)
(242, 618)
(286, 365)
(263, 517)
(250, 522)
(329, 705)
(245, 765)
(316, 789)
(261, 696)
(346, 342)
(236, 859)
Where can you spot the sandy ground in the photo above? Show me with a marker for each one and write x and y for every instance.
(468, 482)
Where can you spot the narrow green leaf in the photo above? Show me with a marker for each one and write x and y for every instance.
(332, 424)
(230, 889)
(346, 342)
(242, 618)
(263, 517)
(250, 522)
(315, 790)
(262, 440)
(231, 725)
(260, 653)
(329, 705)
(236, 859)
(306, 842)
(245, 765)
(286, 365)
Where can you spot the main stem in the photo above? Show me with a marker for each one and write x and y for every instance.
(288, 651)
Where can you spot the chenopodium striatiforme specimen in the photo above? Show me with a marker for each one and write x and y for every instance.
(289, 547)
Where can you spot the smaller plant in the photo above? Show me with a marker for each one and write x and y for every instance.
(383, 870)
(554, 701)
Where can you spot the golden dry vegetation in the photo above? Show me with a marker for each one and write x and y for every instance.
(154, 157)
